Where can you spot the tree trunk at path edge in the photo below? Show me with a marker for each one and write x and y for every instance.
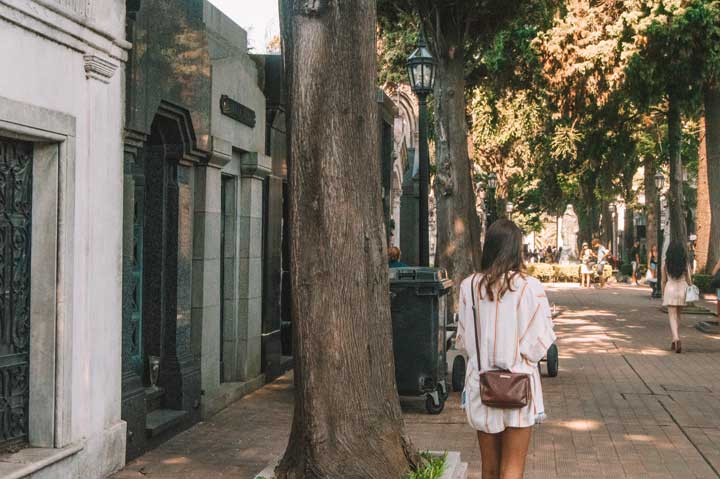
(704, 217)
(458, 225)
(712, 139)
(676, 199)
(650, 206)
(347, 421)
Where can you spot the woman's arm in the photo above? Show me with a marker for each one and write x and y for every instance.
(716, 268)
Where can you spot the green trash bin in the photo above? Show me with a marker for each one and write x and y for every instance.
(418, 307)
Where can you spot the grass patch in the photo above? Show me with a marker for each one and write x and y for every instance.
(432, 467)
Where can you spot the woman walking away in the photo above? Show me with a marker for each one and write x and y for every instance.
(676, 279)
(514, 331)
(586, 257)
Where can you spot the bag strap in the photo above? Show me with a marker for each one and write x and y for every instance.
(475, 319)
(477, 326)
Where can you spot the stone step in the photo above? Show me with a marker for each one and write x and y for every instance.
(461, 472)
(153, 398)
(161, 420)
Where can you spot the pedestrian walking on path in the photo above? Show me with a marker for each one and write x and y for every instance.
(635, 262)
(514, 331)
(586, 258)
(601, 253)
(676, 279)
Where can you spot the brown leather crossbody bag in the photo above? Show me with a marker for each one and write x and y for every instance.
(500, 388)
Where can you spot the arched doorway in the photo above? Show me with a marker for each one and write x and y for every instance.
(160, 330)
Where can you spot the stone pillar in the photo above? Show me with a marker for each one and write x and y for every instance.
(410, 215)
(133, 392)
(206, 300)
(271, 313)
(254, 168)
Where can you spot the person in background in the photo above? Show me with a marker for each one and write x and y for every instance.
(635, 261)
(394, 258)
(691, 256)
(675, 279)
(586, 258)
(652, 269)
(601, 254)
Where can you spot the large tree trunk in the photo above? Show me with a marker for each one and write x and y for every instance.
(347, 421)
(704, 214)
(712, 138)
(676, 198)
(458, 225)
(650, 205)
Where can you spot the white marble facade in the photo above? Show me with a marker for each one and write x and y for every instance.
(62, 92)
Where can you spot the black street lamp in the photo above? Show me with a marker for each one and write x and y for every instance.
(421, 70)
(490, 207)
(613, 210)
(659, 184)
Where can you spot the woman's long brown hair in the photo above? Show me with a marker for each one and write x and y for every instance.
(502, 259)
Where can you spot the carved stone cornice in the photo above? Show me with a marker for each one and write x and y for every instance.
(99, 68)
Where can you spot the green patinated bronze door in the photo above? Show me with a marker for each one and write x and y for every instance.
(15, 228)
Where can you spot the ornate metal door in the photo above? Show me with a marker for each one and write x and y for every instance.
(15, 229)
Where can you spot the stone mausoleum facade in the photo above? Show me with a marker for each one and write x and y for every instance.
(61, 197)
(203, 208)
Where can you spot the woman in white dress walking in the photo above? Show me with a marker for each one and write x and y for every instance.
(676, 278)
(515, 330)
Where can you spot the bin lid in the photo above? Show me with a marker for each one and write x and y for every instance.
(418, 274)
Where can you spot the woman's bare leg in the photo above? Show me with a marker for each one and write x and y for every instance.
(674, 317)
(490, 451)
(515, 443)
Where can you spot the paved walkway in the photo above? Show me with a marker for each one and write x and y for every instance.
(622, 406)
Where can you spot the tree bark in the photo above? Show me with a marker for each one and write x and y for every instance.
(712, 138)
(458, 225)
(347, 421)
(704, 215)
(676, 205)
(650, 205)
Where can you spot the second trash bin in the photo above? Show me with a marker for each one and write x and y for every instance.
(419, 318)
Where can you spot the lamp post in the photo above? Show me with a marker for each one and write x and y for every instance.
(509, 207)
(492, 185)
(613, 247)
(421, 70)
(659, 184)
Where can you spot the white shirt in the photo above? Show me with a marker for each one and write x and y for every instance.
(515, 333)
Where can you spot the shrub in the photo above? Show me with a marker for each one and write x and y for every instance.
(557, 273)
(542, 271)
(568, 273)
(702, 281)
(626, 269)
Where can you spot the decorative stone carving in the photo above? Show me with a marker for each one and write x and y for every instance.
(570, 230)
(99, 68)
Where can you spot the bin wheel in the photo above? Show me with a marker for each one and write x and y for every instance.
(553, 361)
(458, 373)
(443, 391)
(432, 407)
